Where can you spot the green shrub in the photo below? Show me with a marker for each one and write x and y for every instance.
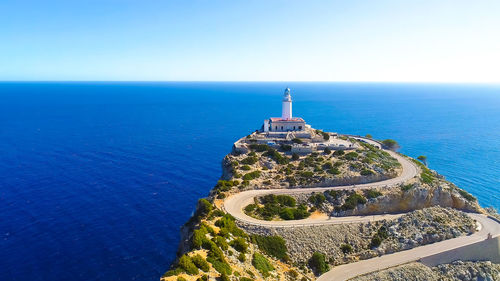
(334, 171)
(346, 248)
(250, 160)
(245, 279)
(285, 147)
(227, 223)
(221, 242)
(271, 245)
(297, 140)
(466, 195)
(220, 266)
(287, 214)
(338, 153)
(390, 144)
(367, 172)
(262, 264)
(372, 193)
(223, 277)
(318, 263)
(326, 136)
(223, 185)
(198, 236)
(376, 241)
(204, 277)
(317, 199)
(251, 175)
(352, 201)
(204, 207)
(327, 150)
(187, 264)
(201, 263)
(276, 156)
(180, 278)
(242, 257)
(173, 272)
(351, 155)
(334, 193)
(379, 237)
(286, 200)
(295, 157)
(328, 165)
(406, 187)
(246, 168)
(307, 174)
(427, 176)
(369, 136)
(423, 158)
(250, 208)
(300, 212)
(239, 244)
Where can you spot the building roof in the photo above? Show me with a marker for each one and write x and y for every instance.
(279, 119)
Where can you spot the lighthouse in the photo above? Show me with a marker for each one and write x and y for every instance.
(286, 112)
(285, 123)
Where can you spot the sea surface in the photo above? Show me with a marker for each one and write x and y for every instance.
(97, 178)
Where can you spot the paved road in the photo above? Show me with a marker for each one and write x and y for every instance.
(347, 271)
(234, 204)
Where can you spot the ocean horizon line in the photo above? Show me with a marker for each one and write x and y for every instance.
(254, 81)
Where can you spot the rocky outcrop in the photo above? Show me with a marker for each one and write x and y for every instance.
(417, 197)
(396, 199)
(410, 230)
(459, 270)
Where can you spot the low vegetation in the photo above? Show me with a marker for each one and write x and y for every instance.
(352, 201)
(379, 237)
(277, 206)
(390, 144)
(372, 193)
(318, 263)
(262, 264)
(271, 245)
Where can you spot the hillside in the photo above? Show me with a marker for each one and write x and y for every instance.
(216, 245)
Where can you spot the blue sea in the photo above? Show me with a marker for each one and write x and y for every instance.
(97, 178)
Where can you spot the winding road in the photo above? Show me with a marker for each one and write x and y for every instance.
(234, 205)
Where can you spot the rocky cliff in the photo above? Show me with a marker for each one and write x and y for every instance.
(216, 246)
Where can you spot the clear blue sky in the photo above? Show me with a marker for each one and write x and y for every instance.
(437, 41)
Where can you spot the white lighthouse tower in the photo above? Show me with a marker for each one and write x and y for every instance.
(285, 123)
(286, 113)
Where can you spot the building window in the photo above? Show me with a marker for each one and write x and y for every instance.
(294, 127)
(300, 127)
(282, 127)
(276, 128)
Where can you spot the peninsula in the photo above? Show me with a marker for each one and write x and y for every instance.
(297, 203)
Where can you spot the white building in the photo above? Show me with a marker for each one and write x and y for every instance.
(287, 122)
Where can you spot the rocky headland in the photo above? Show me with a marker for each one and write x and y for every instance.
(215, 245)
